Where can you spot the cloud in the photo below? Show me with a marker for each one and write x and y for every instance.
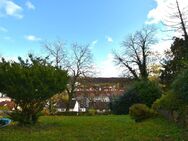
(32, 38)
(163, 13)
(9, 8)
(162, 46)
(3, 29)
(158, 13)
(107, 68)
(109, 39)
(29, 5)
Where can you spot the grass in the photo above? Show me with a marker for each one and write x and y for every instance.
(95, 128)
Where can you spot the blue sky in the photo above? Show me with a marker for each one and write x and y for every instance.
(103, 24)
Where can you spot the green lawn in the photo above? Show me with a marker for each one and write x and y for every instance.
(95, 128)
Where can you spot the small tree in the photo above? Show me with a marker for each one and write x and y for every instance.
(29, 84)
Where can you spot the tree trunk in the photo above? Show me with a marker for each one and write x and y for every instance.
(69, 101)
(182, 22)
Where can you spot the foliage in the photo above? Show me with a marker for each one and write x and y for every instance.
(173, 62)
(4, 108)
(121, 104)
(173, 108)
(24, 117)
(148, 91)
(140, 92)
(29, 84)
(91, 128)
(52, 107)
(45, 112)
(168, 101)
(7, 105)
(174, 76)
(91, 112)
(60, 97)
(140, 112)
(180, 86)
(155, 70)
(2, 122)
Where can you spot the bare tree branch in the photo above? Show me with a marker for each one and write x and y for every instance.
(56, 51)
(177, 18)
(136, 51)
(78, 63)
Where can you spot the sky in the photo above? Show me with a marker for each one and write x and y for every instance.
(26, 24)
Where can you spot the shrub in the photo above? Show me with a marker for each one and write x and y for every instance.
(145, 92)
(2, 122)
(180, 86)
(172, 108)
(45, 112)
(4, 108)
(120, 105)
(168, 101)
(148, 91)
(140, 112)
(180, 89)
(24, 118)
(92, 112)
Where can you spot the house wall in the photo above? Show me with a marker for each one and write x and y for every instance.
(61, 109)
(102, 98)
(76, 107)
(82, 109)
(5, 99)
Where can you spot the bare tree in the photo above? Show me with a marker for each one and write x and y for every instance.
(78, 62)
(135, 54)
(80, 66)
(56, 51)
(176, 18)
